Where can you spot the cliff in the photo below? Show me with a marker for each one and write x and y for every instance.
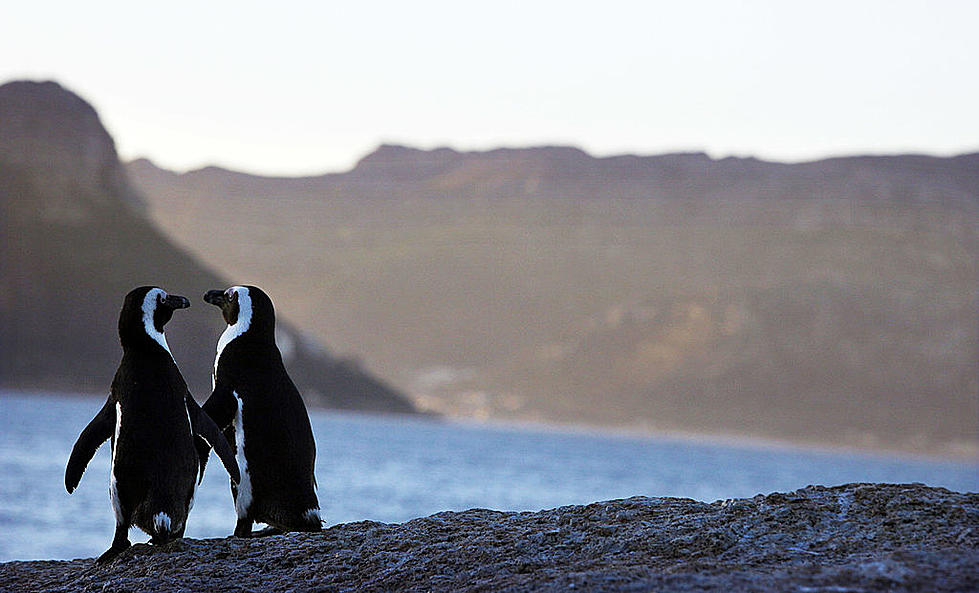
(76, 239)
(857, 537)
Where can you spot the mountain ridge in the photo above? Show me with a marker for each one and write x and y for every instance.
(828, 302)
(396, 171)
(403, 151)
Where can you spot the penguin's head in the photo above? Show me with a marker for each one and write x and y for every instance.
(144, 313)
(244, 308)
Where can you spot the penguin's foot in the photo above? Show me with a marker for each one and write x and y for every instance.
(267, 532)
(243, 528)
(110, 554)
(161, 539)
(120, 543)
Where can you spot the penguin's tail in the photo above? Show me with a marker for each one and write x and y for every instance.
(311, 520)
(163, 529)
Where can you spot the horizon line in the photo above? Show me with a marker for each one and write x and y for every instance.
(549, 146)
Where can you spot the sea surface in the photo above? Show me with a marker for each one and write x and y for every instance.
(391, 469)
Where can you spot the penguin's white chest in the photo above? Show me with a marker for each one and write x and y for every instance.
(113, 487)
(190, 425)
(244, 498)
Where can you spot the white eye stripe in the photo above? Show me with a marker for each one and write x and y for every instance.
(241, 325)
(150, 302)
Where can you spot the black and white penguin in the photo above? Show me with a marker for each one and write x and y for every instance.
(152, 421)
(262, 415)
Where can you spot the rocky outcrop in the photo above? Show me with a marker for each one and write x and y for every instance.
(58, 140)
(853, 538)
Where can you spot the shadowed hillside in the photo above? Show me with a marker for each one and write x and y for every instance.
(830, 301)
(76, 240)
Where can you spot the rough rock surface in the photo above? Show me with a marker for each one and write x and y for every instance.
(853, 538)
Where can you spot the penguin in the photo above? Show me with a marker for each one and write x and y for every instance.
(160, 436)
(262, 415)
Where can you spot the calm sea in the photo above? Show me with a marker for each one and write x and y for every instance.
(391, 469)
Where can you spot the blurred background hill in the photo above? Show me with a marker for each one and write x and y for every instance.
(76, 239)
(822, 302)
(830, 301)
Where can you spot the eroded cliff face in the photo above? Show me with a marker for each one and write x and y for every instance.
(857, 537)
(57, 140)
(76, 238)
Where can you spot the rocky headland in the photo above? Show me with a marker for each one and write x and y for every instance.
(76, 238)
(851, 538)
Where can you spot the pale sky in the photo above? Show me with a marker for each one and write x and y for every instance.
(310, 87)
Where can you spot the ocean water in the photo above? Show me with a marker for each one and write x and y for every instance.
(392, 469)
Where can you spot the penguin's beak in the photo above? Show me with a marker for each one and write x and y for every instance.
(176, 302)
(216, 298)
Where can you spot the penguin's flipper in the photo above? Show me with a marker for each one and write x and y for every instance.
(221, 406)
(98, 431)
(205, 429)
(203, 451)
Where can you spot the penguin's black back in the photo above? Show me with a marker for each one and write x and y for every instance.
(152, 394)
(155, 461)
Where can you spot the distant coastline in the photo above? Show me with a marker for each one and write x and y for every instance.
(964, 454)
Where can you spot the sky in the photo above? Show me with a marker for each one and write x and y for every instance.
(293, 88)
